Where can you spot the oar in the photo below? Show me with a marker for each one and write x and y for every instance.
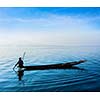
(23, 55)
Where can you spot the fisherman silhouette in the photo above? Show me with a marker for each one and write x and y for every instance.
(20, 71)
(19, 63)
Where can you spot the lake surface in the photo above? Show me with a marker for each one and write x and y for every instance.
(50, 80)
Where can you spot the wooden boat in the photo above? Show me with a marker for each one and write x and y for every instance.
(67, 65)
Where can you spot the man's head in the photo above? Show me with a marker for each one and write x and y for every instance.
(20, 58)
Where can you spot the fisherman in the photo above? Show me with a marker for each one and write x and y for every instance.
(20, 71)
(19, 63)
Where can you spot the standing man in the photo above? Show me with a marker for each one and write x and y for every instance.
(19, 63)
(20, 72)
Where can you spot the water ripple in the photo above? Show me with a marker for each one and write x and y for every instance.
(51, 80)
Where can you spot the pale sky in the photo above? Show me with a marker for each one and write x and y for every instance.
(50, 26)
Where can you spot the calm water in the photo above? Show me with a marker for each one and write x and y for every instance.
(50, 80)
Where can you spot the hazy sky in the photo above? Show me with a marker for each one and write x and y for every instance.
(50, 26)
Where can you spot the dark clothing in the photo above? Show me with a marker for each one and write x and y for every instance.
(20, 64)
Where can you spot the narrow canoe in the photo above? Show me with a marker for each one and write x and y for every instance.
(67, 65)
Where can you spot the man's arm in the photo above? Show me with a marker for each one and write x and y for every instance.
(15, 65)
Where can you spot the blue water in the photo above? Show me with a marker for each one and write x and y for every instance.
(50, 80)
